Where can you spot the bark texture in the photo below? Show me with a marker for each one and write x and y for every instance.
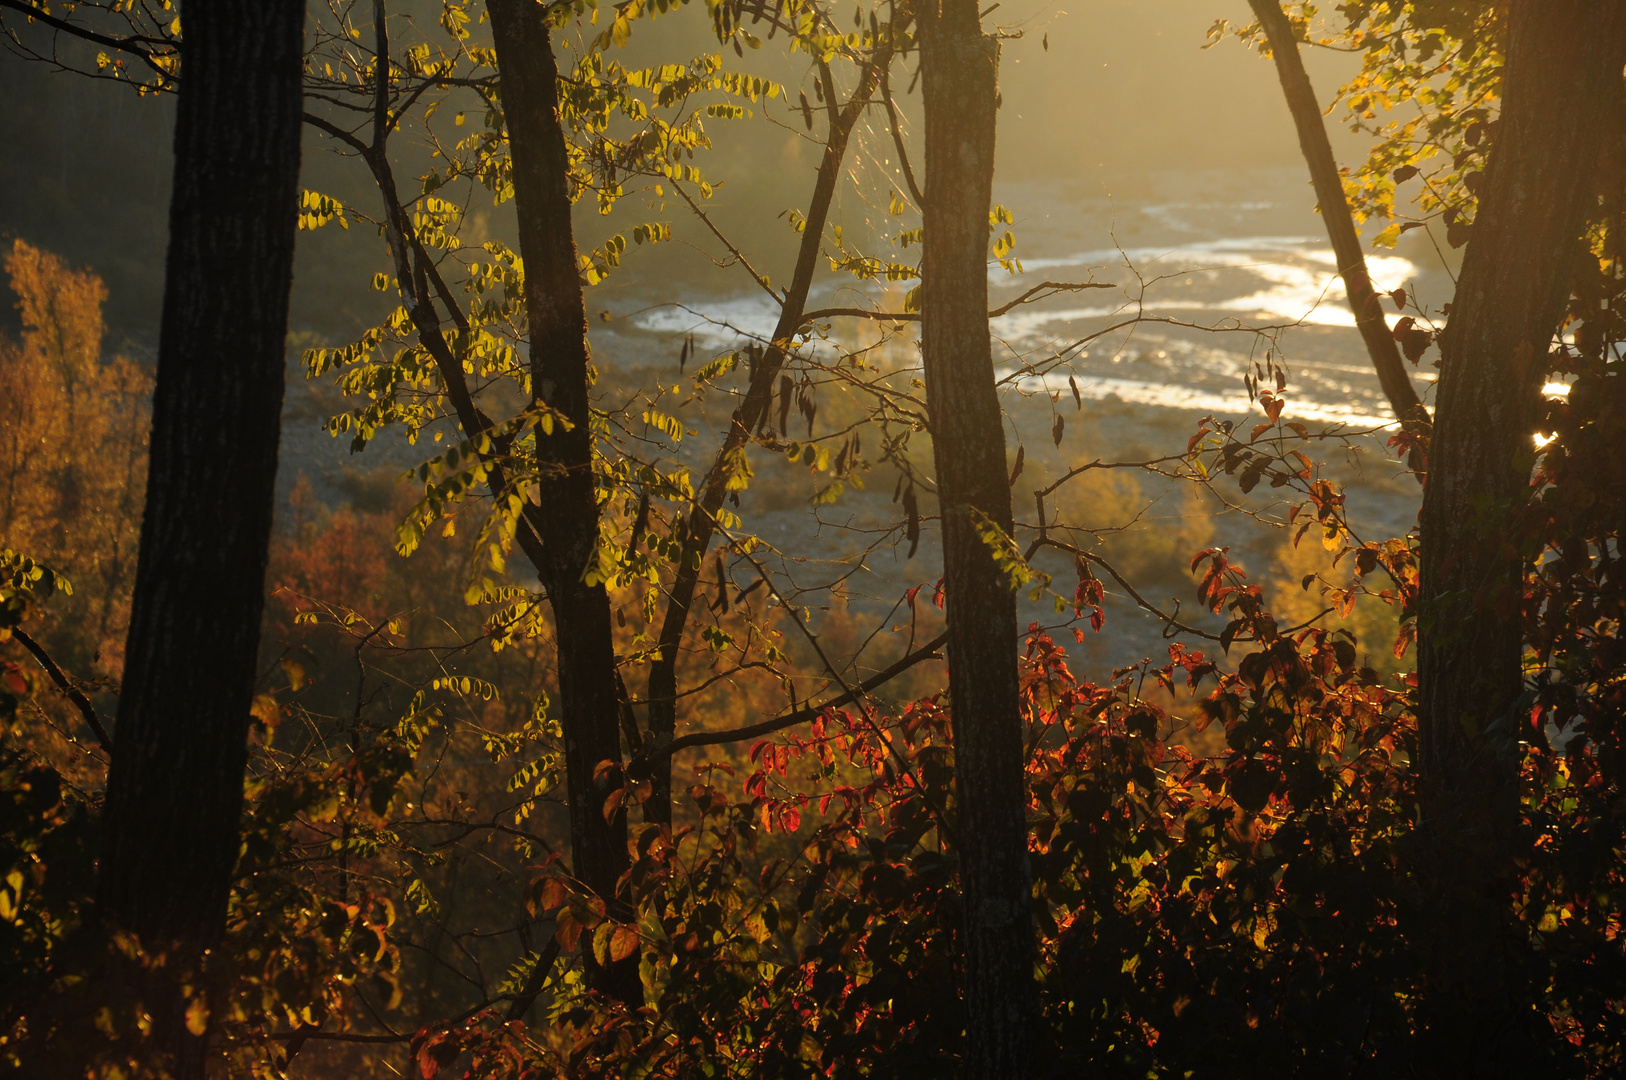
(959, 71)
(1561, 94)
(557, 320)
(175, 788)
(1346, 243)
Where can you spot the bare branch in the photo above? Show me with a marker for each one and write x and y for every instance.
(739, 256)
(70, 691)
(538, 979)
(897, 137)
(1038, 292)
(929, 651)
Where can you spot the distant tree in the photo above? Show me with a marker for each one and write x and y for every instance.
(72, 453)
(175, 791)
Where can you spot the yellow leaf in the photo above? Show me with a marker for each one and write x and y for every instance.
(197, 1016)
(295, 672)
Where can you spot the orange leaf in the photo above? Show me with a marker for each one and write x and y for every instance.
(623, 942)
(569, 931)
(613, 803)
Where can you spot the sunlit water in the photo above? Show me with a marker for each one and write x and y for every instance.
(1215, 257)
(1203, 274)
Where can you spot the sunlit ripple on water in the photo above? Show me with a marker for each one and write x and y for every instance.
(1250, 280)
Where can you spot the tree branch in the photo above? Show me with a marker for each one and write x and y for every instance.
(701, 523)
(738, 255)
(538, 979)
(135, 44)
(70, 691)
(929, 651)
(897, 137)
(412, 276)
(1031, 295)
(1335, 213)
(1054, 287)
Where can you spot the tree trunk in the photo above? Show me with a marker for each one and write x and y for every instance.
(1346, 244)
(701, 524)
(175, 789)
(1561, 94)
(557, 320)
(959, 69)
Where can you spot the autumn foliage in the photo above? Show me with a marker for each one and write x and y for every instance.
(1211, 913)
(1234, 867)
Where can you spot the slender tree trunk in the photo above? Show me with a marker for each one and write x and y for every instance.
(1561, 95)
(1346, 243)
(701, 524)
(175, 790)
(959, 69)
(557, 319)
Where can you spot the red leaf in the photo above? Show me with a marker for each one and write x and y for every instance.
(551, 895)
(1414, 340)
(612, 804)
(569, 931)
(623, 942)
(1408, 634)
(435, 1052)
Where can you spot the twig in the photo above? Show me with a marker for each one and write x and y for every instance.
(70, 691)
(1054, 287)
(914, 316)
(538, 978)
(738, 255)
(929, 651)
(897, 137)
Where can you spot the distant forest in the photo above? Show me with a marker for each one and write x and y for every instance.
(656, 540)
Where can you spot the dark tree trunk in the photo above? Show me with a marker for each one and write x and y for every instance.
(1346, 243)
(701, 525)
(175, 789)
(557, 320)
(959, 69)
(1561, 94)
